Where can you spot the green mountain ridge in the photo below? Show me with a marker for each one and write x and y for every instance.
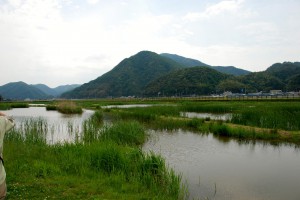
(189, 62)
(20, 91)
(57, 91)
(190, 81)
(128, 78)
(149, 74)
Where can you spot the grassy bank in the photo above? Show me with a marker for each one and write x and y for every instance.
(263, 114)
(10, 105)
(107, 163)
(270, 121)
(65, 107)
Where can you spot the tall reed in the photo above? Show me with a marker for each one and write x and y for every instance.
(111, 161)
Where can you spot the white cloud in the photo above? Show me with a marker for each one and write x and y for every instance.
(14, 3)
(229, 6)
(93, 1)
(51, 42)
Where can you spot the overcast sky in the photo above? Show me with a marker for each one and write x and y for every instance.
(57, 42)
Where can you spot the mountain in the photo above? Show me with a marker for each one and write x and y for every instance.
(47, 90)
(189, 81)
(128, 78)
(261, 81)
(294, 83)
(189, 62)
(65, 88)
(231, 70)
(199, 80)
(57, 91)
(21, 91)
(285, 70)
(279, 76)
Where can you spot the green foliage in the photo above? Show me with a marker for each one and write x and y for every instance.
(231, 85)
(126, 133)
(274, 115)
(51, 107)
(128, 78)
(294, 83)
(195, 80)
(108, 168)
(148, 114)
(188, 62)
(7, 106)
(68, 107)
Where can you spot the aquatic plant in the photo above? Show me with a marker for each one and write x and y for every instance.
(68, 107)
(110, 166)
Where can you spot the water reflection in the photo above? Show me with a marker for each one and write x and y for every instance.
(227, 169)
(60, 127)
(223, 117)
(128, 106)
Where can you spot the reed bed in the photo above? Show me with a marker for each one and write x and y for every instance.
(65, 107)
(106, 165)
(10, 105)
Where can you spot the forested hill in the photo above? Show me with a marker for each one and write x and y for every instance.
(279, 76)
(190, 81)
(128, 78)
(189, 62)
(57, 91)
(203, 81)
(21, 91)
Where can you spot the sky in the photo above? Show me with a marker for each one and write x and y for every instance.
(58, 42)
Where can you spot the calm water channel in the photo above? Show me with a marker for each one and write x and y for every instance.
(226, 169)
(213, 168)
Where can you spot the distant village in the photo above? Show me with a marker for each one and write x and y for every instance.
(272, 93)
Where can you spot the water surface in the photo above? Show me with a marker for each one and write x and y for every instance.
(223, 117)
(61, 127)
(227, 169)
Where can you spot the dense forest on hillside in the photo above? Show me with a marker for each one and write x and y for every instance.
(151, 74)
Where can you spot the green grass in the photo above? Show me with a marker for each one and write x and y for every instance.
(283, 115)
(276, 116)
(65, 107)
(10, 105)
(108, 165)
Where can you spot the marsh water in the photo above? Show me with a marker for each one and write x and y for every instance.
(212, 167)
(222, 168)
(223, 117)
(60, 127)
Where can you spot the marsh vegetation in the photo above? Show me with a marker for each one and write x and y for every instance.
(106, 153)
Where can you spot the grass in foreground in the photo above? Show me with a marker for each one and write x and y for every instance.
(109, 165)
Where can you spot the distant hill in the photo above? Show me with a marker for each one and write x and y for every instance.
(47, 90)
(189, 81)
(57, 91)
(285, 70)
(279, 76)
(128, 78)
(189, 62)
(231, 70)
(261, 81)
(65, 88)
(21, 91)
(293, 83)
